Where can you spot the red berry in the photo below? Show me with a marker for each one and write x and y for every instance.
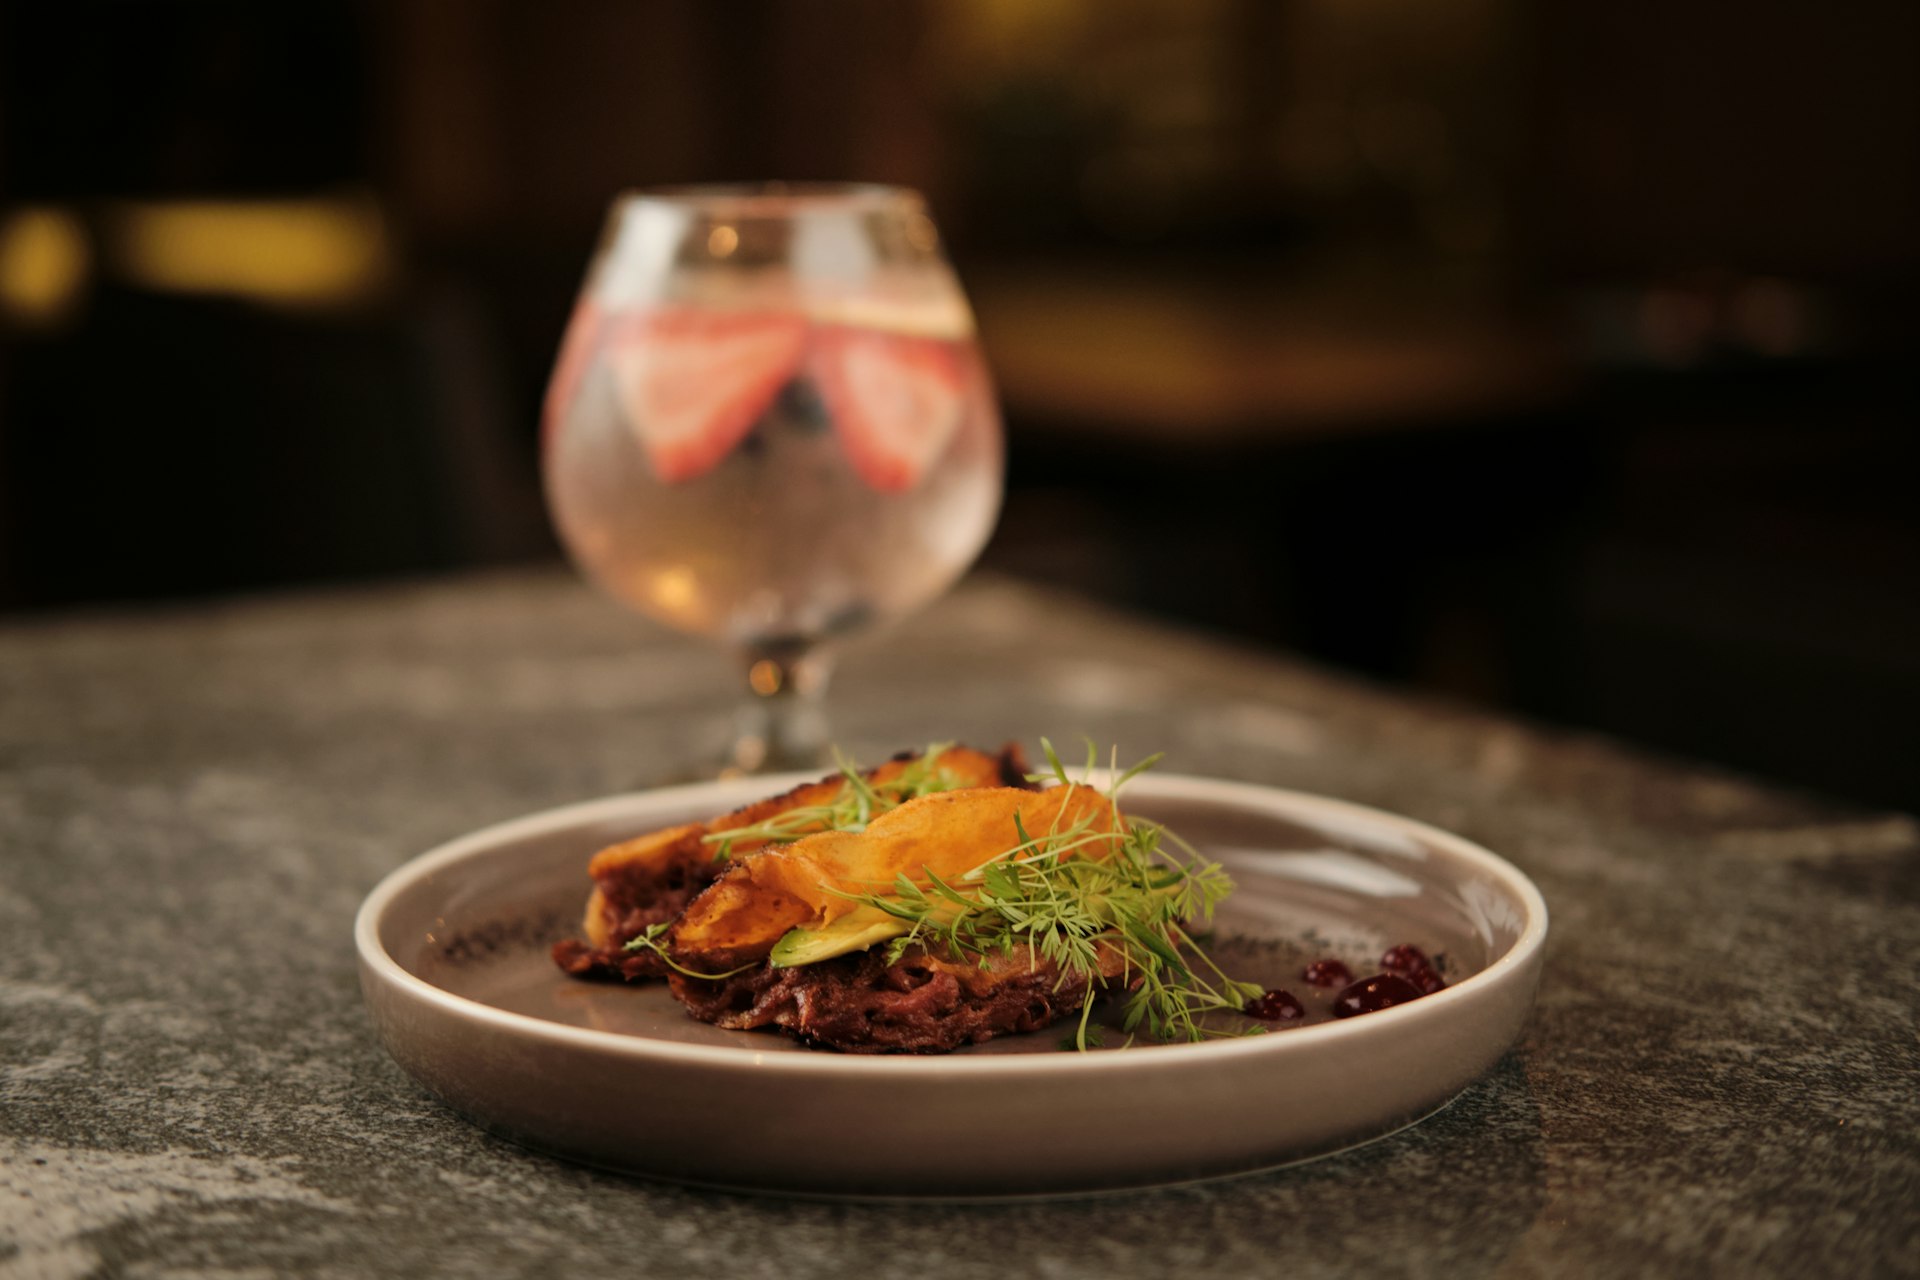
(1275, 1006)
(1369, 995)
(1404, 959)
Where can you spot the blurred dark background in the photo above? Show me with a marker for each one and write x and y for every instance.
(1558, 357)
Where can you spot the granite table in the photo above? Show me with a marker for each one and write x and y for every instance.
(1720, 1077)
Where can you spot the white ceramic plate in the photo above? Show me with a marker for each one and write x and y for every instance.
(453, 962)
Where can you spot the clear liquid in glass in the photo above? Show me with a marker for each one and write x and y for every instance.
(791, 536)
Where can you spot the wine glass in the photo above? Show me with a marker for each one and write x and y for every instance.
(770, 425)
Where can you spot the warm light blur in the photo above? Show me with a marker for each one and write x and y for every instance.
(286, 252)
(44, 262)
(675, 590)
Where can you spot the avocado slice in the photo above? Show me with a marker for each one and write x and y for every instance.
(855, 931)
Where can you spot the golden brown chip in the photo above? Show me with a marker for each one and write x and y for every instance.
(683, 850)
(805, 884)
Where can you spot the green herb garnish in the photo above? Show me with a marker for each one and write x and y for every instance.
(1071, 893)
(859, 802)
(650, 941)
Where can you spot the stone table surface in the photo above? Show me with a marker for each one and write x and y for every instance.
(1720, 1077)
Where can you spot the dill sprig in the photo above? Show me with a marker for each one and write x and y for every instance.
(1074, 893)
(858, 802)
(650, 941)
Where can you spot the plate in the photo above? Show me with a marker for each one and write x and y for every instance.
(453, 964)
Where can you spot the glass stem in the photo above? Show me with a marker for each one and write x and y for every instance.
(784, 723)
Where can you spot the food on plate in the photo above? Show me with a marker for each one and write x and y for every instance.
(792, 937)
(944, 899)
(799, 929)
(795, 898)
(649, 880)
(917, 911)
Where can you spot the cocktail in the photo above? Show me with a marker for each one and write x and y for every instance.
(770, 425)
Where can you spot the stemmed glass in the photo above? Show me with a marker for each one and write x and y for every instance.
(770, 425)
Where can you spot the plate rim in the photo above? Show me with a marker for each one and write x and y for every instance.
(378, 963)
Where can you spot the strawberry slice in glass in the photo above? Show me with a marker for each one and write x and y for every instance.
(895, 400)
(694, 382)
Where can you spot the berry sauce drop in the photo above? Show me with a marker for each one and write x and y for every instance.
(1275, 1006)
(1370, 995)
(1404, 959)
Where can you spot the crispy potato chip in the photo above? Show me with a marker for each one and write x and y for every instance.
(804, 884)
(658, 853)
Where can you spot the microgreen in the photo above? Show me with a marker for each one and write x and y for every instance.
(650, 941)
(1075, 894)
(858, 802)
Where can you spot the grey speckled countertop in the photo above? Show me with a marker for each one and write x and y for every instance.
(1720, 1077)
